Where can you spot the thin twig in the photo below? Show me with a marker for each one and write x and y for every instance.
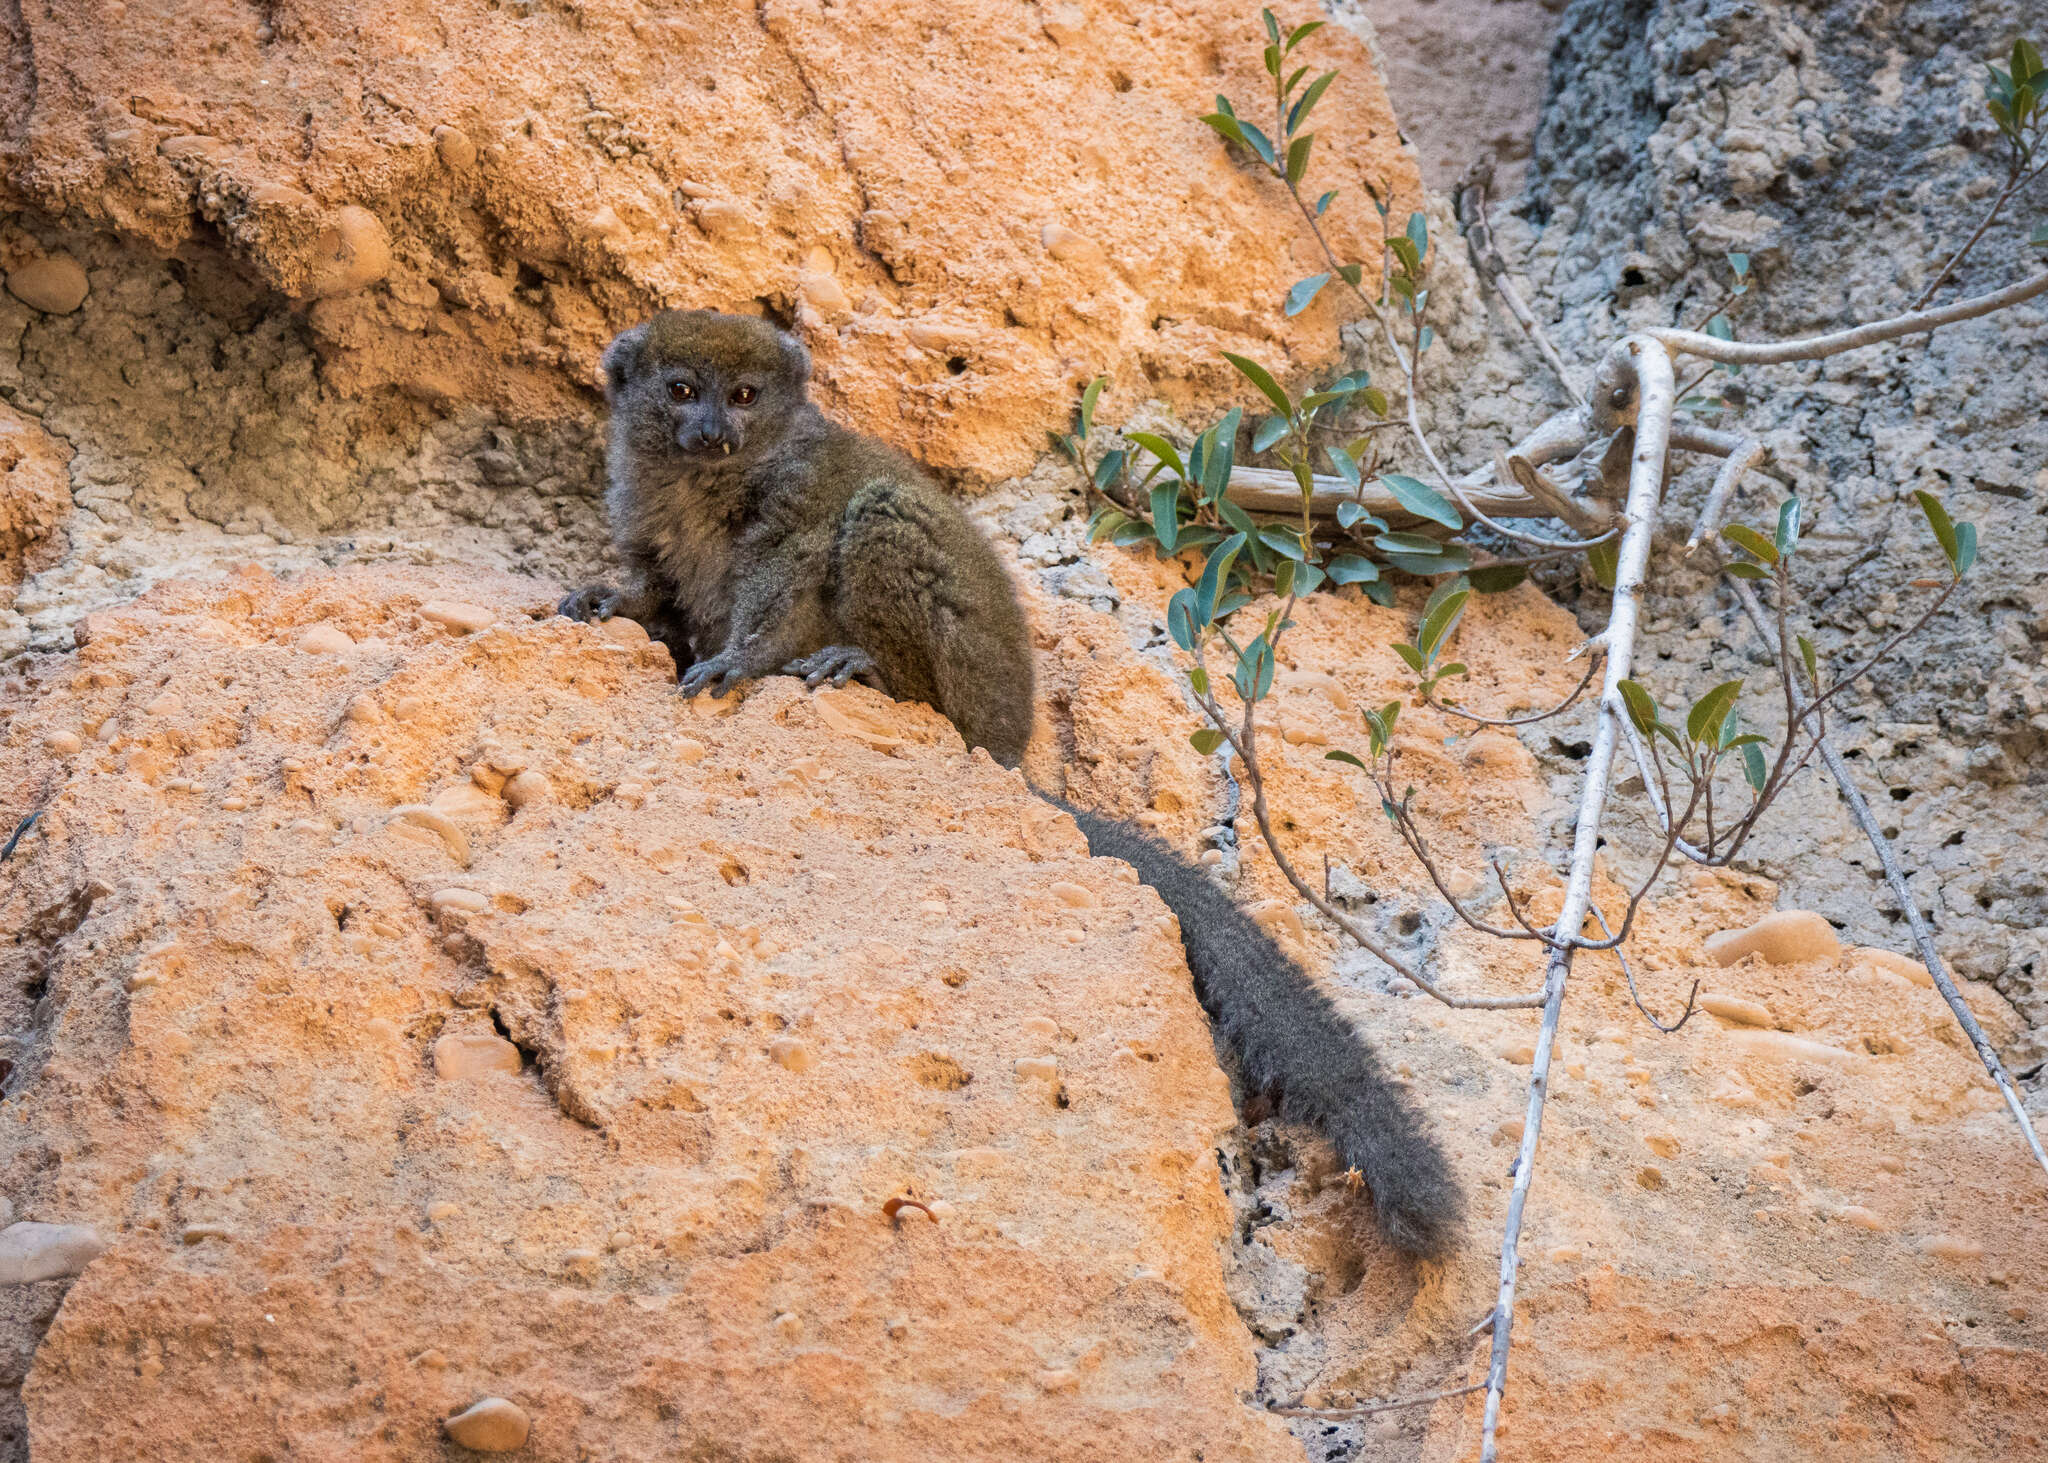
(2017, 180)
(1470, 202)
(1592, 666)
(1635, 995)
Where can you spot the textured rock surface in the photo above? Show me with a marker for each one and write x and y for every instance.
(648, 1232)
(756, 971)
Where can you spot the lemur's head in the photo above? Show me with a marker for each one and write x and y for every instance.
(701, 388)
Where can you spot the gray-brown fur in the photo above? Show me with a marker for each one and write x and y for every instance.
(760, 537)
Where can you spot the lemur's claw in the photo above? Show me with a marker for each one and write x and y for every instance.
(836, 663)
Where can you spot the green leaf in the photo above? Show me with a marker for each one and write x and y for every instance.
(1408, 543)
(1215, 574)
(1380, 592)
(1966, 548)
(1260, 377)
(2039, 238)
(1271, 430)
(1422, 500)
(1438, 621)
(1806, 654)
(1231, 604)
(1424, 338)
(1306, 578)
(1720, 329)
(1222, 454)
(1351, 274)
(1166, 515)
(1272, 25)
(1740, 264)
(1293, 80)
(1283, 541)
(1303, 294)
(1110, 467)
(1105, 522)
(1273, 54)
(1162, 449)
(1353, 569)
(1642, 710)
(1226, 126)
(1302, 32)
(1297, 156)
(1256, 141)
(1346, 758)
(1323, 204)
(1316, 399)
(1455, 668)
(1351, 514)
(1747, 738)
(1749, 538)
(1944, 528)
(1788, 525)
(1753, 768)
(1131, 534)
(1453, 560)
(1743, 569)
(1604, 559)
(1411, 656)
(1207, 740)
(1725, 737)
(1498, 578)
(1347, 470)
(1088, 400)
(1236, 517)
(1404, 251)
(1418, 235)
(1254, 674)
(1707, 712)
(1283, 577)
(1199, 679)
(1302, 108)
(1181, 623)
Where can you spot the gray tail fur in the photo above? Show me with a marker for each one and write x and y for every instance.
(1290, 1039)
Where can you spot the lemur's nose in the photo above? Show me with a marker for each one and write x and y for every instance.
(705, 439)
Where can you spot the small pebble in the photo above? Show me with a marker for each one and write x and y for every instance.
(459, 901)
(473, 1054)
(1899, 965)
(690, 750)
(465, 799)
(456, 616)
(581, 1263)
(1037, 1069)
(788, 1052)
(55, 284)
(324, 639)
(62, 743)
(898, 1328)
(364, 711)
(491, 1426)
(527, 787)
(456, 149)
(1565, 1254)
(1784, 938)
(1952, 1247)
(30, 1252)
(195, 1233)
(443, 1210)
(408, 707)
(350, 254)
(1664, 1145)
(1076, 895)
(1862, 1218)
(1736, 1011)
(789, 1326)
(421, 816)
(1042, 1026)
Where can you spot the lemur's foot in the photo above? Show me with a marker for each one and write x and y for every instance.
(836, 663)
(718, 675)
(593, 604)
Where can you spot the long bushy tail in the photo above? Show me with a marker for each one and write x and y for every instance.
(1290, 1038)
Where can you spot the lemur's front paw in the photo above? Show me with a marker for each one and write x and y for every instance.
(593, 604)
(837, 663)
(717, 675)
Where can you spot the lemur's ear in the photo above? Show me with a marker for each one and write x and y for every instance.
(622, 359)
(796, 360)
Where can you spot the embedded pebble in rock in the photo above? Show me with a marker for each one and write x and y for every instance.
(690, 750)
(1784, 938)
(459, 901)
(197, 1233)
(490, 1426)
(55, 284)
(1280, 917)
(1079, 896)
(351, 253)
(1903, 966)
(455, 616)
(1038, 1069)
(325, 640)
(788, 1052)
(454, 146)
(525, 788)
(30, 1252)
(788, 1326)
(418, 815)
(466, 799)
(1952, 1247)
(62, 743)
(441, 1211)
(473, 1054)
(1861, 1218)
(1735, 1010)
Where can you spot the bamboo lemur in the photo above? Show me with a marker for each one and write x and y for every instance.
(761, 537)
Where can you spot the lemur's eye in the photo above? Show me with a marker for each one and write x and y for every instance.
(743, 395)
(681, 391)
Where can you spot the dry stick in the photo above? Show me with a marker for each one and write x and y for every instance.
(1740, 459)
(1493, 268)
(1639, 369)
(2013, 185)
(1923, 937)
(1813, 348)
